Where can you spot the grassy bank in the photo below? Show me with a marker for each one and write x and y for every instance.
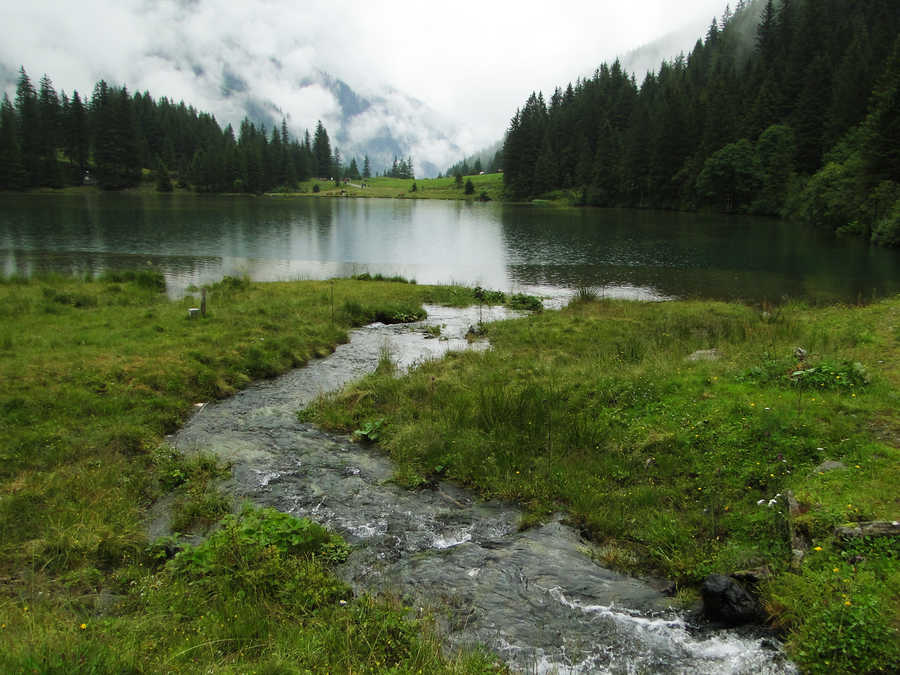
(94, 374)
(670, 463)
(491, 185)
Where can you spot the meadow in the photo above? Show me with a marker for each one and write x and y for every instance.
(94, 374)
(669, 457)
(672, 435)
(491, 185)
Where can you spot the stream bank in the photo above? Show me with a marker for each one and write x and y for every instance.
(534, 597)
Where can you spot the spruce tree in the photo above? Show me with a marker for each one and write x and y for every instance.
(322, 152)
(76, 139)
(12, 172)
(29, 129)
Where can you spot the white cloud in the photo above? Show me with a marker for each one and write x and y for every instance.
(473, 63)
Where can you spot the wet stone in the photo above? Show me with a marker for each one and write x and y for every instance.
(534, 597)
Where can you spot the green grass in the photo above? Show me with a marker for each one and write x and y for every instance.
(400, 188)
(661, 460)
(94, 374)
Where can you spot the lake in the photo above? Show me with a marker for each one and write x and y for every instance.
(623, 253)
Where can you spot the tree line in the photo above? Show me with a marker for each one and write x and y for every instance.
(115, 140)
(787, 109)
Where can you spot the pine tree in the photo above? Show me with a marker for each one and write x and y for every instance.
(322, 152)
(77, 141)
(117, 164)
(29, 128)
(12, 173)
(881, 145)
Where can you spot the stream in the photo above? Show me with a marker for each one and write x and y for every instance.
(535, 598)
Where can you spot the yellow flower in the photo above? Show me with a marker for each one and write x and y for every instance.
(835, 570)
(817, 548)
(83, 626)
(847, 602)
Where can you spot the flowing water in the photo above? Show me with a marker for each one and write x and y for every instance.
(535, 597)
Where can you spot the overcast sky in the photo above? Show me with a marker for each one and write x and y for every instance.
(473, 62)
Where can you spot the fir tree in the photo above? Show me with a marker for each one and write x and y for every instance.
(12, 172)
(322, 152)
(29, 129)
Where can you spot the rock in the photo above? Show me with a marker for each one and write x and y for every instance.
(752, 577)
(705, 355)
(829, 465)
(726, 601)
(874, 528)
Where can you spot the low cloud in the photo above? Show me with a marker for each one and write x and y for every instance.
(463, 70)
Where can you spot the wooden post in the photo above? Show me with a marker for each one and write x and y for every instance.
(203, 302)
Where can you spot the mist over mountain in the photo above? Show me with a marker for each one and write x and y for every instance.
(382, 126)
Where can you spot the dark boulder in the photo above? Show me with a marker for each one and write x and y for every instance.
(726, 601)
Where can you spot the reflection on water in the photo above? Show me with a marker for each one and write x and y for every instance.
(195, 239)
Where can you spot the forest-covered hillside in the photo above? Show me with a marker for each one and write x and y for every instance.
(785, 108)
(53, 140)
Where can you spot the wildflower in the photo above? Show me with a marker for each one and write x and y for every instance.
(817, 548)
(847, 602)
(83, 626)
(835, 570)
